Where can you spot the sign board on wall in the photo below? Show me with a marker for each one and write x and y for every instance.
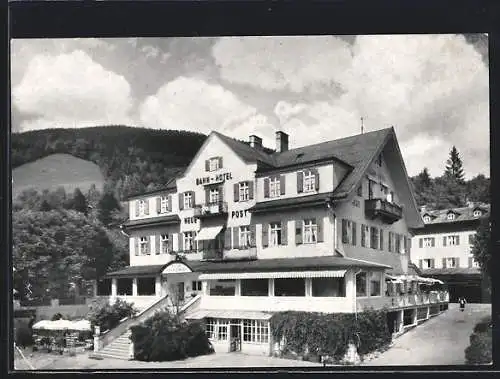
(176, 268)
(218, 178)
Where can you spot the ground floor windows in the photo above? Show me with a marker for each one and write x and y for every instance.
(222, 287)
(211, 326)
(361, 284)
(328, 287)
(289, 287)
(146, 286)
(196, 285)
(222, 332)
(104, 287)
(255, 331)
(124, 286)
(254, 287)
(375, 286)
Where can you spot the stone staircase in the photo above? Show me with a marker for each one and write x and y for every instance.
(119, 348)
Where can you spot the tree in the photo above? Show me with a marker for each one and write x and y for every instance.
(454, 166)
(424, 178)
(106, 206)
(45, 206)
(481, 247)
(79, 202)
(478, 189)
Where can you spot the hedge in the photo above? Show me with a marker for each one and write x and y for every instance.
(108, 316)
(163, 337)
(329, 334)
(480, 349)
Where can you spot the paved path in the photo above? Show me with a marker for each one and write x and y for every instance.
(438, 341)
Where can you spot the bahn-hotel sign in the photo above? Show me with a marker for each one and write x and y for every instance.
(219, 178)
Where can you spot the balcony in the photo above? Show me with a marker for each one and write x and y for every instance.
(242, 253)
(210, 209)
(402, 301)
(386, 211)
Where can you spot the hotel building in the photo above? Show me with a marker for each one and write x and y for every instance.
(442, 249)
(247, 231)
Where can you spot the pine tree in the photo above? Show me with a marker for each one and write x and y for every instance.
(424, 178)
(454, 166)
(79, 202)
(106, 206)
(481, 247)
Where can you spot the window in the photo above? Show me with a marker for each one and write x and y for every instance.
(385, 190)
(104, 287)
(222, 330)
(144, 245)
(360, 190)
(254, 287)
(398, 243)
(213, 195)
(471, 239)
(391, 241)
(365, 231)
(163, 204)
(328, 287)
(310, 231)
(210, 328)
(451, 216)
(196, 285)
(255, 331)
(146, 286)
(222, 287)
(427, 219)
(429, 242)
(375, 280)
(244, 191)
(361, 284)
(214, 164)
(164, 244)
(274, 187)
(188, 200)
(142, 207)
(188, 241)
(289, 287)
(451, 262)
(309, 181)
(371, 185)
(373, 238)
(452, 240)
(124, 286)
(390, 197)
(275, 234)
(245, 237)
(427, 263)
(477, 213)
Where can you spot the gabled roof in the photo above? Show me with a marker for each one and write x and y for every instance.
(171, 186)
(462, 214)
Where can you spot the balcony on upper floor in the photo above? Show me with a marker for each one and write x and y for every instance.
(240, 253)
(379, 208)
(210, 209)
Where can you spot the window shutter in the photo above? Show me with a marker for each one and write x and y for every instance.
(390, 242)
(227, 239)
(265, 235)
(300, 182)
(148, 245)
(158, 205)
(444, 241)
(137, 208)
(170, 243)
(157, 244)
(193, 201)
(207, 165)
(362, 235)
(433, 263)
(146, 207)
(181, 201)
(316, 180)
(298, 231)
(420, 264)
(252, 234)
(169, 203)
(236, 237)
(409, 244)
(433, 242)
(250, 189)
(266, 187)
(180, 246)
(207, 195)
(320, 230)
(420, 242)
(220, 162)
(444, 262)
(344, 231)
(284, 232)
(470, 261)
(458, 240)
(405, 244)
(282, 184)
(136, 245)
(381, 239)
(354, 232)
(236, 191)
(458, 261)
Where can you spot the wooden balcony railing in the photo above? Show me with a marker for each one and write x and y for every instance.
(386, 211)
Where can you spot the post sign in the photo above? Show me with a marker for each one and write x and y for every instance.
(219, 178)
(239, 214)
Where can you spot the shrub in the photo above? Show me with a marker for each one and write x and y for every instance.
(56, 317)
(108, 316)
(483, 325)
(24, 336)
(480, 349)
(329, 334)
(164, 338)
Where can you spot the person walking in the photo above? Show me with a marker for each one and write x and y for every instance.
(462, 302)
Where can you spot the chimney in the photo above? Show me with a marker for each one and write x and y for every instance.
(423, 208)
(281, 142)
(470, 204)
(255, 141)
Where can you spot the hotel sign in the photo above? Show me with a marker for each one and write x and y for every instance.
(219, 178)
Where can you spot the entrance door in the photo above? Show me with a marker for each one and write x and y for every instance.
(235, 337)
(180, 291)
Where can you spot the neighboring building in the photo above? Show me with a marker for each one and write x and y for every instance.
(247, 231)
(442, 249)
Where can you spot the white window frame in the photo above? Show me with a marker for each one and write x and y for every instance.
(427, 263)
(475, 263)
(244, 191)
(213, 164)
(214, 195)
(188, 239)
(450, 217)
(255, 331)
(143, 245)
(427, 219)
(142, 207)
(188, 199)
(274, 187)
(309, 181)
(274, 233)
(163, 204)
(245, 237)
(427, 241)
(310, 231)
(452, 240)
(164, 244)
(211, 328)
(451, 262)
(222, 329)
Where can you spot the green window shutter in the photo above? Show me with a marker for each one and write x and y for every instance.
(363, 235)
(354, 234)
(252, 234)
(381, 239)
(265, 234)
(220, 162)
(137, 208)
(421, 242)
(316, 180)
(250, 189)
(193, 200)
(227, 239)
(236, 237)
(136, 239)
(157, 244)
(470, 261)
(170, 243)
(207, 195)
(444, 262)
(282, 184)
(458, 261)
(266, 187)
(420, 264)
(207, 165)
(320, 229)
(158, 205)
(236, 191)
(298, 231)
(148, 246)
(284, 232)
(433, 242)
(444, 241)
(300, 182)
(344, 231)
(169, 203)
(458, 240)
(181, 201)
(433, 263)
(146, 207)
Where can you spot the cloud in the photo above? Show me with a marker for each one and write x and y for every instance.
(71, 90)
(195, 105)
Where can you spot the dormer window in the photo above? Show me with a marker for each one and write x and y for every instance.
(163, 204)
(309, 181)
(274, 187)
(451, 216)
(477, 213)
(427, 218)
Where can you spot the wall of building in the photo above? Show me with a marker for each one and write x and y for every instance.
(152, 233)
(152, 207)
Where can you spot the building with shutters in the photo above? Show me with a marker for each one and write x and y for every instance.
(247, 231)
(442, 250)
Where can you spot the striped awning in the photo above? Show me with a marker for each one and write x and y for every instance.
(208, 233)
(276, 275)
(228, 314)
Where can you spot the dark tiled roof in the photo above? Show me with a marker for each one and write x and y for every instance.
(246, 152)
(169, 219)
(287, 203)
(171, 186)
(280, 264)
(137, 271)
(451, 271)
(461, 214)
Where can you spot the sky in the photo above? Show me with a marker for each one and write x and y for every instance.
(433, 89)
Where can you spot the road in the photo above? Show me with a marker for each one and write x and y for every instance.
(439, 341)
